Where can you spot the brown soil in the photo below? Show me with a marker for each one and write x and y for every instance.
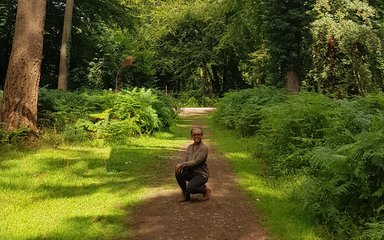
(227, 215)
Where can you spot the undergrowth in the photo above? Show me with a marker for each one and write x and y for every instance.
(337, 145)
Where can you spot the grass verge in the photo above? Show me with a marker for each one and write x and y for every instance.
(79, 191)
(282, 212)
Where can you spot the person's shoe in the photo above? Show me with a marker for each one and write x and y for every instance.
(206, 194)
(184, 198)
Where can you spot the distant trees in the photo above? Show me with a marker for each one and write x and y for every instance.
(286, 30)
(19, 109)
(333, 47)
(194, 51)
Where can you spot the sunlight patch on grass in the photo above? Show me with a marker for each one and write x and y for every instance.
(79, 191)
(238, 155)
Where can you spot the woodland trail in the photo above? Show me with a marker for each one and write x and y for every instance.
(228, 215)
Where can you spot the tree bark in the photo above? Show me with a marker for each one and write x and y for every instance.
(65, 44)
(21, 87)
(292, 81)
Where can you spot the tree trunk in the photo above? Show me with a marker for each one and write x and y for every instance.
(21, 87)
(65, 44)
(216, 86)
(292, 81)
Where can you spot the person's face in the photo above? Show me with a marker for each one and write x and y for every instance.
(197, 135)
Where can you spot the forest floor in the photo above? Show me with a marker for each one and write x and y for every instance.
(228, 215)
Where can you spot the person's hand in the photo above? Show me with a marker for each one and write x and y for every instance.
(178, 168)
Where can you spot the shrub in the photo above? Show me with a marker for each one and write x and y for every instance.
(136, 111)
(57, 109)
(337, 144)
(17, 136)
(192, 102)
(242, 110)
(166, 108)
(293, 127)
(75, 135)
(347, 182)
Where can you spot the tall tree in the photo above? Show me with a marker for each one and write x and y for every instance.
(346, 51)
(286, 30)
(65, 45)
(19, 108)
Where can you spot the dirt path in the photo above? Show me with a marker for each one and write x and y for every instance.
(228, 215)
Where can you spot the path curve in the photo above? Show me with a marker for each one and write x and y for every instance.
(228, 215)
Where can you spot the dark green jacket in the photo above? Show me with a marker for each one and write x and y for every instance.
(196, 159)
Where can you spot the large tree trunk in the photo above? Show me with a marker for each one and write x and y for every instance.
(292, 81)
(21, 87)
(65, 43)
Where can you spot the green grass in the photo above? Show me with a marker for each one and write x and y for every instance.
(88, 191)
(282, 213)
(80, 191)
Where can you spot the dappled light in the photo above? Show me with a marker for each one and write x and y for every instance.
(104, 105)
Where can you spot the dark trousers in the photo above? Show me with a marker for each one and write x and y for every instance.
(196, 183)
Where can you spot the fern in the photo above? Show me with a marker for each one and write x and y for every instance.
(99, 111)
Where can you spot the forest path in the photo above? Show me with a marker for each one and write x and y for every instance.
(228, 215)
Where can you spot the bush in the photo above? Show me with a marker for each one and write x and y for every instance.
(136, 111)
(347, 182)
(57, 109)
(17, 136)
(192, 102)
(242, 110)
(166, 109)
(337, 144)
(293, 128)
(75, 135)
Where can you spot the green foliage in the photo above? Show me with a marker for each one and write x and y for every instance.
(336, 144)
(81, 192)
(192, 102)
(284, 27)
(375, 231)
(334, 46)
(92, 114)
(191, 50)
(120, 130)
(137, 105)
(346, 50)
(293, 127)
(75, 134)
(196, 98)
(166, 108)
(57, 109)
(242, 110)
(347, 184)
(13, 137)
(275, 199)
